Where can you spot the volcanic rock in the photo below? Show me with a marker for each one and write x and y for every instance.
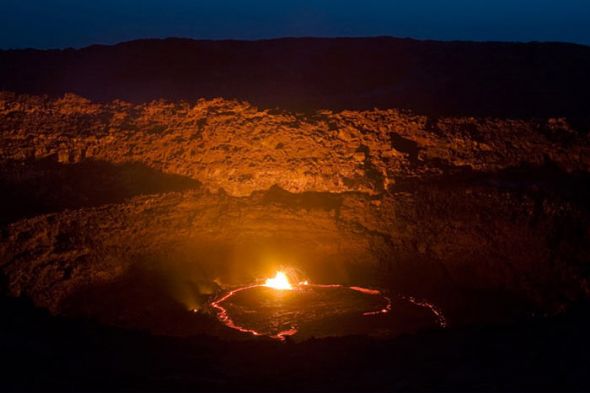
(456, 210)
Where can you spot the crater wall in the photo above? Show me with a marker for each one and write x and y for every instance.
(451, 209)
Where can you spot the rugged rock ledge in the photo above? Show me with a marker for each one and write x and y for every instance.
(235, 146)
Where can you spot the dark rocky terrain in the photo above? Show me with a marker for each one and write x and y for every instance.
(44, 353)
(439, 78)
(126, 215)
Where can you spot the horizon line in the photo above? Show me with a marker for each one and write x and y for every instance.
(302, 37)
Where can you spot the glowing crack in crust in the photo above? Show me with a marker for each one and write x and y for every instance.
(281, 282)
(442, 320)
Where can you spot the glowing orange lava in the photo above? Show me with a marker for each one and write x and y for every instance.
(442, 320)
(281, 282)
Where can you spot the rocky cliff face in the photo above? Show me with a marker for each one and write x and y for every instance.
(234, 146)
(449, 209)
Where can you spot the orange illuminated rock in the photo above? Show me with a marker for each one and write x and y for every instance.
(237, 147)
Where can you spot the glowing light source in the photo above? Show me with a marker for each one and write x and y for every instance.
(279, 281)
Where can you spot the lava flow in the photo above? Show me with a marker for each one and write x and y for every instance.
(281, 283)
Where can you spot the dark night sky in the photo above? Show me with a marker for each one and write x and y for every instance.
(76, 23)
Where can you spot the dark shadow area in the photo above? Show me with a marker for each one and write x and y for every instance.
(542, 181)
(474, 202)
(303, 74)
(31, 188)
(152, 300)
(405, 145)
(303, 200)
(541, 354)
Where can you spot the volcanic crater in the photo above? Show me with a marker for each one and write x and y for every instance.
(138, 215)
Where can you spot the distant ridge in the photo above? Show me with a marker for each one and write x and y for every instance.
(431, 77)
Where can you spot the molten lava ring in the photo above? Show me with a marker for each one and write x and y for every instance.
(278, 309)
